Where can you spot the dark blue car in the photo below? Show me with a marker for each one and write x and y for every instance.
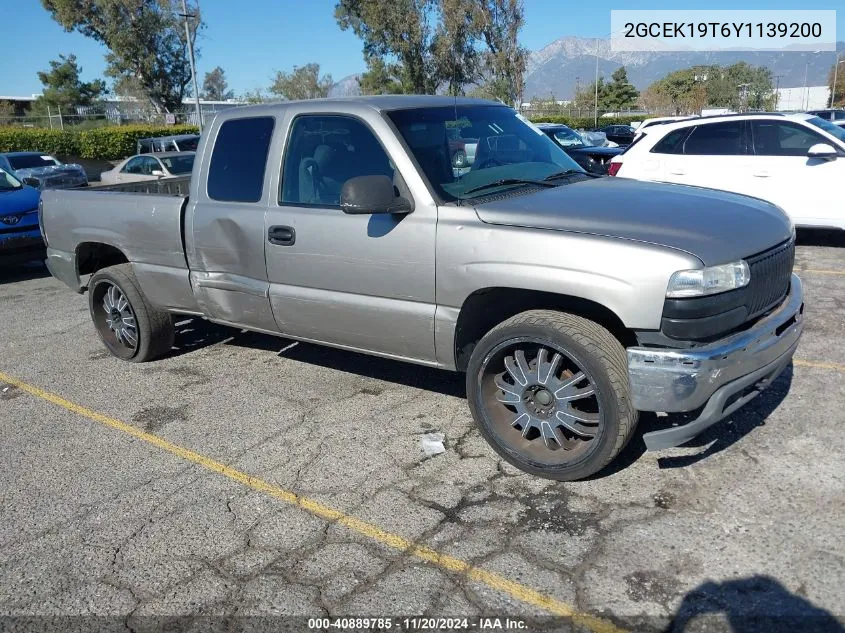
(20, 236)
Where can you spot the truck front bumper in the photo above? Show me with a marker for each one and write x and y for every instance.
(717, 378)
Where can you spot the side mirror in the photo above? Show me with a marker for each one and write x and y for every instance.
(372, 194)
(32, 182)
(822, 150)
(157, 172)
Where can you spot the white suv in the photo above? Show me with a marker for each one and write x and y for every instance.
(795, 161)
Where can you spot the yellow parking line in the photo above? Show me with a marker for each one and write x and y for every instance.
(499, 583)
(811, 363)
(815, 271)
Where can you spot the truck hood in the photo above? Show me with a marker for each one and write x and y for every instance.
(715, 226)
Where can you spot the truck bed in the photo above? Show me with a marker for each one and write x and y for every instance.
(145, 225)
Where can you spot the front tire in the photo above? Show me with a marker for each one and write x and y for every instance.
(550, 393)
(128, 325)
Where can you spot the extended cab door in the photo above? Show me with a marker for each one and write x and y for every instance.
(224, 226)
(808, 189)
(356, 281)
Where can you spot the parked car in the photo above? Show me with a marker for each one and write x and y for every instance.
(794, 161)
(461, 149)
(20, 237)
(835, 116)
(620, 134)
(593, 159)
(571, 301)
(150, 167)
(174, 143)
(660, 120)
(43, 171)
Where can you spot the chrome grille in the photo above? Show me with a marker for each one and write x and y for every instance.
(770, 274)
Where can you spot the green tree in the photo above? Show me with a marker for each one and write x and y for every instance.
(303, 83)
(7, 112)
(737, 87)
(497, 24)
(63, 89)
(426, 46)
(254, 96)
(215, 87)
(398, 30)
(619, 93)
(145, 39)
(740, 87)
(381, 78)
(455, 56)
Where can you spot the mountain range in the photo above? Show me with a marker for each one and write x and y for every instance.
(558, 69)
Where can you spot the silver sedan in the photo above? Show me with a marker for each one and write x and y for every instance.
(150, 167)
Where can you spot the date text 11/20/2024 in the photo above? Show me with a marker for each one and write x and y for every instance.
(418, 624)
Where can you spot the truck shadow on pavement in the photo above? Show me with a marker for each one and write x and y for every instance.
(193, 334)
(197, 333)
(757, 604)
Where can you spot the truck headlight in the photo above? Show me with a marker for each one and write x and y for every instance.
(708, 281)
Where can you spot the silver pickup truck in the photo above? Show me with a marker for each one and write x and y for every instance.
(571, 301)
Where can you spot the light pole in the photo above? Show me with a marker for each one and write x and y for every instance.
(835, 68)
(806, 95)
(190, 42)
(596, 107)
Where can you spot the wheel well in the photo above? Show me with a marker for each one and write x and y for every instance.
(94, 256)
(486, 308)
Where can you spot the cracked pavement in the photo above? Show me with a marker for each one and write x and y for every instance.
(747, 519)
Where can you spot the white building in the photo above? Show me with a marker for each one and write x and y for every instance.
(809, 98)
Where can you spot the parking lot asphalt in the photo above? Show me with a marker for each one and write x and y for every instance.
(249, 475)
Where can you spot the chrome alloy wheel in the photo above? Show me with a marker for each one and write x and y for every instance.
(541, 402)
(119, 318)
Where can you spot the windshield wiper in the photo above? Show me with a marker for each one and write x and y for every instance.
(570, 172)
(509, 181)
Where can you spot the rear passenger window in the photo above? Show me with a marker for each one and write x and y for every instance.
(236, 173)
(716, 139)
(672, 143)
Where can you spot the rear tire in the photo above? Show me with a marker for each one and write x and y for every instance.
(129, 326)
(550, 393)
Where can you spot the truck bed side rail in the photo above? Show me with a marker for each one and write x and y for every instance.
(176, 186)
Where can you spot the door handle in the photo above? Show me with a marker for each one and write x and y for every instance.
(677, 172)
(281, 235)
(761, 174)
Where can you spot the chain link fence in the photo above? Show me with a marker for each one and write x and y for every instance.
(546, 109)
(93, 117)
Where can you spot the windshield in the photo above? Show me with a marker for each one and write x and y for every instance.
(504, 146)
(568, 138)
(28, 161)
(8, 182)
(178, 164)
(827, 126)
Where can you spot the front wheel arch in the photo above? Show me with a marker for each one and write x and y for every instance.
(486, 308)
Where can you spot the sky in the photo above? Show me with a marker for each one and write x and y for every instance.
(251, 39)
